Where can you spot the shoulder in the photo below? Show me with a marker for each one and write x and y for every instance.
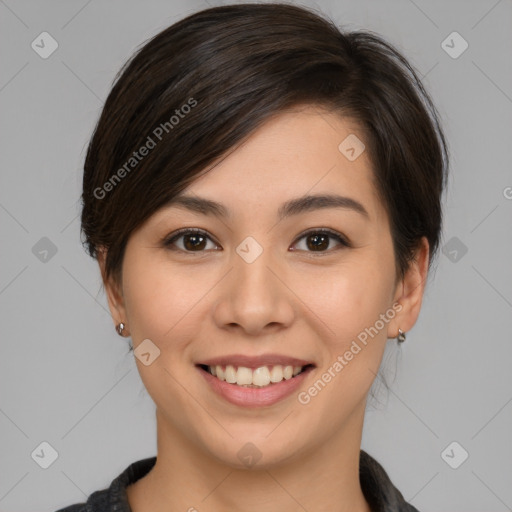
(114, 497)
(77, 507)
(379, 491)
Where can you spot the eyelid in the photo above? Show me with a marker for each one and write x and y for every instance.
(170, 239)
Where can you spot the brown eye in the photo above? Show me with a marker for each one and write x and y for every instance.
(320, 240)
(194, 240)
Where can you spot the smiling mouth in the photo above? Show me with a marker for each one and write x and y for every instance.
(263, 376)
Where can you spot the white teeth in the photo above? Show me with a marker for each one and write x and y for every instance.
(260, 377)
(276, 375)
(243, 376)
(230, 374)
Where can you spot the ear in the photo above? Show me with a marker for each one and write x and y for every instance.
(409, 291)
(114, 292)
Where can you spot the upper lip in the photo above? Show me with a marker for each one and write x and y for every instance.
(255, 361)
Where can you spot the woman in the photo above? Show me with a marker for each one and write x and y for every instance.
(263, 195)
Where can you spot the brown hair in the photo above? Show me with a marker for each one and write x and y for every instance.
(204, 84)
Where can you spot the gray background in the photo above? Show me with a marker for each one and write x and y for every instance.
(67, 378)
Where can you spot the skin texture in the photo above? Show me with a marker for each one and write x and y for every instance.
(303, 303)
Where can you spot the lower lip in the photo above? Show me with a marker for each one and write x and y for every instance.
(255, 397)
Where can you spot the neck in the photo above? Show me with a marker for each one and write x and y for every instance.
(185, 478)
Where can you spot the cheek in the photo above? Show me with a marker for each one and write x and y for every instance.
(160, 309)
(350, 302)
(163, 301)
(348, 298)
(153, 296)
(370, 296)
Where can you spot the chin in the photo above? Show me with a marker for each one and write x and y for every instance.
(255, 452)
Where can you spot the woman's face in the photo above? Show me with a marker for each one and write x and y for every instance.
(262, 283)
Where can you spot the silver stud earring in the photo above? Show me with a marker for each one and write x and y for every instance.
(401, 336)
(120, 328)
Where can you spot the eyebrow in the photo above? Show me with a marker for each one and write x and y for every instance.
(296, 206)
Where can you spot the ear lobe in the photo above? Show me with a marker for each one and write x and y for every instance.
(112, 290)
(409, 291)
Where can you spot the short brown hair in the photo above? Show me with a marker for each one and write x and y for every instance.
(242, 64)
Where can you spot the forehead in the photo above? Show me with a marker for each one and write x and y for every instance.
(303, 151)
(273, 174)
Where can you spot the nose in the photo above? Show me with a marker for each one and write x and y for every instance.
(254, 297)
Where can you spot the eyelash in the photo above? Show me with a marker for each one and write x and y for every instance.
(171, 239)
